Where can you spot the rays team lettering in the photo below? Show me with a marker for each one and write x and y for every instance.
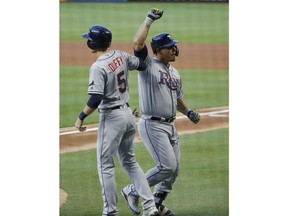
(115, 63)
(171, 82)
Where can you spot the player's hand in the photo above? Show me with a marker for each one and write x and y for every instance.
(193, 116)
(154, 14)
(78, 125)
(136, 113)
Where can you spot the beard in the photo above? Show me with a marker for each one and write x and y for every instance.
(173, 58)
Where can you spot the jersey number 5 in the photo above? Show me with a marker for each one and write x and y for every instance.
(121, 80)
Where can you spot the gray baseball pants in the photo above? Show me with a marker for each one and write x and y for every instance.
(162, 142)
(116, 136)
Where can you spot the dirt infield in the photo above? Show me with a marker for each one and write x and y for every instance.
(192, 55)
(71, 140)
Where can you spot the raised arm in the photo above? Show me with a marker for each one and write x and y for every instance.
(142, 32)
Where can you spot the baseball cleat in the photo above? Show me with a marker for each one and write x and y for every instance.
(131, 200)
(164, 211)
(151, 212)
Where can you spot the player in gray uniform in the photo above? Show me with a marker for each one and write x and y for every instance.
(108, 87)
(160, 96)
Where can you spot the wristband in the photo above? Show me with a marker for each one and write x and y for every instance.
(82, 116)
(187, 111)
(148, 21)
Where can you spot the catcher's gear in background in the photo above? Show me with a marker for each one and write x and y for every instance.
(98, 37)
(193, 116)
(163, 40)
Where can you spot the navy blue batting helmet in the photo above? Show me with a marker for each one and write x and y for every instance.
(98, 37)
(162, 40)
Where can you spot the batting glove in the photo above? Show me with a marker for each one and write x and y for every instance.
(152, 15)
(193, 116)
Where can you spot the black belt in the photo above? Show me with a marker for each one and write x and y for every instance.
(169, 120)
(119, 107)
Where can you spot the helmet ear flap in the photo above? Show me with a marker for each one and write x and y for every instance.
(154, 50)
(177, 51)
(91, 44)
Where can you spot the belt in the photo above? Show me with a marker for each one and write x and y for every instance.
(168, 120)
(120, 107)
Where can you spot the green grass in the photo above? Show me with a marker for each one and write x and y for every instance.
(193, 22)
(202, 89)
(200, 190)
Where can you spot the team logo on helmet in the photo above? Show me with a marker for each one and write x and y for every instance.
(170, 37)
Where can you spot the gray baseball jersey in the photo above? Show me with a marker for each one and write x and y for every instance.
(117, 127)
(159, 88)
(109, 77)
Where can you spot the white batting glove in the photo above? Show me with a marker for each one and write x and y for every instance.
(152, 15)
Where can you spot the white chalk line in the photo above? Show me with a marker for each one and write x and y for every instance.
(213, 113)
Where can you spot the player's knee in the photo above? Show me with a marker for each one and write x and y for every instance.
(173, 167)
(169, 168)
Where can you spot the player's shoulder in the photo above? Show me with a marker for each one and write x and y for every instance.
(96, 66)
(175, 71)
(107, 55)
(122, 53)
(150, 60)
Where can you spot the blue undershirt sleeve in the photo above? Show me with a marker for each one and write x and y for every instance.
(142, 54)
(94, 100)
(142, 66)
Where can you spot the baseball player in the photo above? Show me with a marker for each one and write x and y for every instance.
(108, 90)
(160, 96)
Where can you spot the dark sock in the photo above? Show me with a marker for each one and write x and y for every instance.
(159, 198)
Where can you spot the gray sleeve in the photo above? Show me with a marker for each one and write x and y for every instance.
(96, 81)
(180, 92)
(132, 61)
